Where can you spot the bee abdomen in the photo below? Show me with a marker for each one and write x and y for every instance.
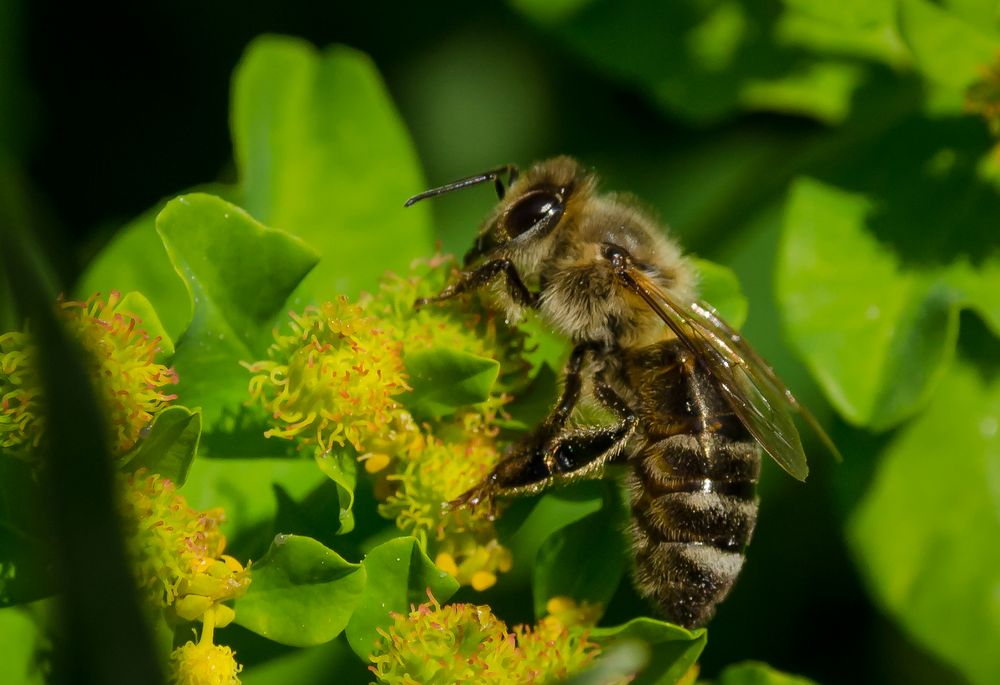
(690, 526)
(686, 580)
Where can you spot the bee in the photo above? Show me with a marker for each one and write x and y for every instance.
(693, 403)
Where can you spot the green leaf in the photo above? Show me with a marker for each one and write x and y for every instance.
(924, 532)
(552, 512)
(445, 379)
(674, 649)
(19, 640)
(702, 61)
(342, 468)
(238, 274)
(584, 560)
(135, 260)
(323, 154)
(543, 345)
(719, 287)
(977, 288)
(756, 673)
(170, 445)
(878, 337)
(616, 663)
(861, 28)
(822, 90)
(399, 574)
(301, 593)
(136, 304)
(309, 665)
(532, 404)
(947, 48)
(237, 485)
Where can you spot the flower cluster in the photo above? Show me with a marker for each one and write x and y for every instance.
(462, 540)
(470, 325)
(121, 357)
(332, 379)
(467, 643)
(203, 662)
(177, 551)
(338, 378)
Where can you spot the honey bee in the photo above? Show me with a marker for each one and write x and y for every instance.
(693, 402)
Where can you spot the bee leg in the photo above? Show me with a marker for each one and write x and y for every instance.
(525, 465)
(554, 454)
(482, 276)
(511, 170)
(583, 452)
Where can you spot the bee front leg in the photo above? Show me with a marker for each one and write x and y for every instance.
(482, 276)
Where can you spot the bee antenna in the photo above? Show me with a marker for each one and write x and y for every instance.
(494, 175)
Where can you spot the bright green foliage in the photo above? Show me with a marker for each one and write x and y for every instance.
(860, 28)
(702, 60)
(950, 46)
(584, 560)
(844, 292)
(673, 650)
(718, 286)
(238, 274)
(136, 305)
(445, 379)
(301, 593)
(552, 512)
(399, 575)
(923, 531)
(19, 642)
(342, 468)
(211, 482)
(905, 323)
(170, 445)
(323, 155)
(135, 260)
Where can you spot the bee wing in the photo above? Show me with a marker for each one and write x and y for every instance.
(749, 385)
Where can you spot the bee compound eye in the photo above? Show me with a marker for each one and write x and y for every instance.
(530, 210)
(613, 253)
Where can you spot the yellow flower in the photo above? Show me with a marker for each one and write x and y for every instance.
(464, 643)
(20, 392)
(332, 379)
(564, 613)
(204, 663)
(553, 654)
(122, 365)
(462, 540)
(177, 551)
(435, 645)
(466, 324)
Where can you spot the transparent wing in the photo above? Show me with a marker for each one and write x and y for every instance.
(758, 398)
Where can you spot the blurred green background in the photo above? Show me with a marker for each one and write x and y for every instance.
(878, 275)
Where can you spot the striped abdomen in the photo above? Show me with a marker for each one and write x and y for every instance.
(692, 486)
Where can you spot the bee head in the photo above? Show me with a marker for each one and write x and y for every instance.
(530, 206)
(525, 216)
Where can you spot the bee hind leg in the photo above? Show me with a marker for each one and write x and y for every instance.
(556, 454)
(583, 452)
